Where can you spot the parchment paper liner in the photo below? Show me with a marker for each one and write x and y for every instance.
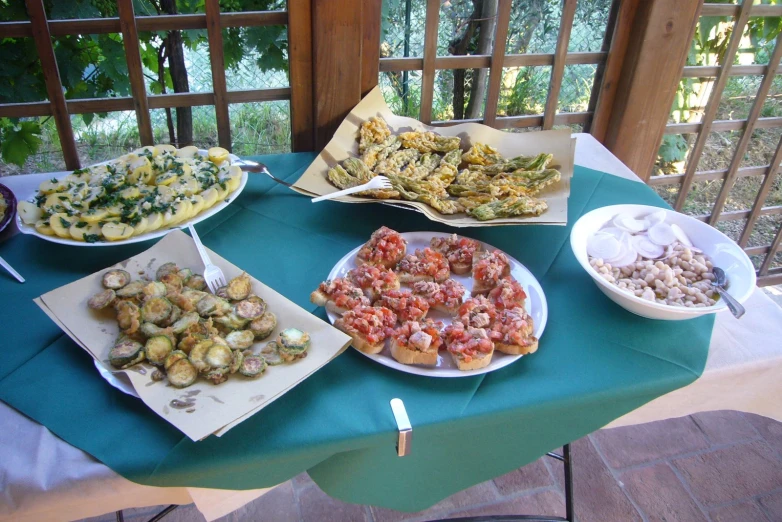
(216, 408)
(344, 144)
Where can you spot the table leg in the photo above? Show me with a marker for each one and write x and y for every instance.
(169, 509)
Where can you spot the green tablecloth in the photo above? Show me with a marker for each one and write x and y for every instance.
(596, 362)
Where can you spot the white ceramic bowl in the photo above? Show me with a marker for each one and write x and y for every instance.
(723, 252)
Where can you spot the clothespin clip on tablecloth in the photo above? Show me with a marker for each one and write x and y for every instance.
(403, 425)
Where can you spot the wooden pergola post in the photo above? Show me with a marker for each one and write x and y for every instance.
(642, 73)
(344, 58)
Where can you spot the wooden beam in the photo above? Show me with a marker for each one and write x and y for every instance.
(760, 200)
(498, 54)
(519, 122)
(658, 42)
(723, 125)
(711, 71)
(594, 94)
(430, 55)
(707, 175)
(558, 69)
(612, 73)
(746, 136)
(51, 76)
(482, 61)
(133, 58)
(774, 277)
(336, 53)
(772, 252)
(156, 101)
(713, 104)
(300, 71)
(179, 22)
(216, 58)
(370, 44)
(733, 10)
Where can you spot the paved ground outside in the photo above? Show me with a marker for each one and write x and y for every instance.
(710, 467)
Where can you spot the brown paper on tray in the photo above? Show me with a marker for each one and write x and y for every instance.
(344, 144)
(216, 408)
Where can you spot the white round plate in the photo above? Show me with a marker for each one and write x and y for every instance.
(29, 229)
(535, 305)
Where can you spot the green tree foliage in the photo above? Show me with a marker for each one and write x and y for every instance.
(712, 36)
(94, 66)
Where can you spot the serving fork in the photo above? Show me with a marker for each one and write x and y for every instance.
(213, 276)
(254, 166)
(378, 182)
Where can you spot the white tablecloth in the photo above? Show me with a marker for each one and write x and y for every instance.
(44, 478)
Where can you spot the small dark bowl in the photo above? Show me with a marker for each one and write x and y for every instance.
(10, 201)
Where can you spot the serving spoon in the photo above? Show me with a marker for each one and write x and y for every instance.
(720, 280)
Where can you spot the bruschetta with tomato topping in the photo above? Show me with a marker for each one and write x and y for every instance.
(487, 271)
(446, 296)
(459, 251)
(423, 265)
(339, 295)
(512, 332)
(368, 326)
(417, 342)
(508, 294)
(373, 280)
(406, 305)
(471, 348)
(477, 312)
(386, 247)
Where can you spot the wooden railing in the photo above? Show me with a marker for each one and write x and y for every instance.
(334, 59)
(129, 25)
(741, 14)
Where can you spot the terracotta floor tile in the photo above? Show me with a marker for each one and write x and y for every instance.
(598, 497)
(478, 494)
(769, 429)
(533, 475)
(744, 512)
(660, 494)
(732, 473)
(278, 505)
(316, 506)
(549, 502)
(773, 505)
(723, 427)
(633, 445)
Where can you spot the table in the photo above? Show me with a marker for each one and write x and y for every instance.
(738, 375)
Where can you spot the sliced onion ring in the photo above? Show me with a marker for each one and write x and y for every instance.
(617, 232)
(603, 246)
(661, 234)
(629, 223)
(647, 248)
(656, 217)
(627, 256)
(681, 235)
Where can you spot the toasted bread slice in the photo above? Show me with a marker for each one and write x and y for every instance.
(391, 263)
(361, 344)
(409, 279)
(478, 361)
(407, 355)
(318, 298)
(367, 315)
(515, 349)
(461, 268)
